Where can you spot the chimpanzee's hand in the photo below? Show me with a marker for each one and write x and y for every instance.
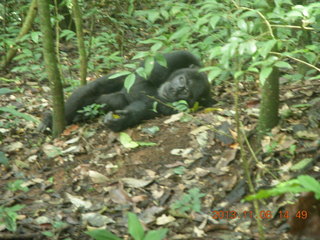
(117, 123)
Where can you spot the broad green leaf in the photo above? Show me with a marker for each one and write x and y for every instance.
(142, 72)
(6, 90)
(141, 55)
(102, 234)
(10, 109)
(251, 46)
(35, 37)
(134, 227)
(130, 65)
(214, 20)
(153, 16)
(119, 74)
(16, 208)
(253, 69)
(148, 65)
(156, 46)
(214, 72)
(164, 14)
(127, 141)
(242, 25)
(282, 64)
(309, 183)
(161, 60)
(214, 52)
(238, 74)
(264, 74)
(310, 56)
(129, 81)
(267, 47)
(181, 33)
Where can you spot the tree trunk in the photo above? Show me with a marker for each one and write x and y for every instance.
(32, 12)
(82, 51)
(269, 108)
(52, 68)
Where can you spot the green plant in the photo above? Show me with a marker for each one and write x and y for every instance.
(92, 111)
(16, 186)
(135, 229)
(303, 183)
(8, 216)
(128, 142)
(189, 202)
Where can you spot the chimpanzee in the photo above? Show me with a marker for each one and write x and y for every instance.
(180, 80)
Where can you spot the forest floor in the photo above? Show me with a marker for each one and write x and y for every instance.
(88, 179)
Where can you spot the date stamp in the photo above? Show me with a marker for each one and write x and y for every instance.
(302, 214)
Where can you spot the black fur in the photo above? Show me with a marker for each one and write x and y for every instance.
(178, 81)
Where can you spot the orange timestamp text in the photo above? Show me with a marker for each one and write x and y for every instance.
(303, 214)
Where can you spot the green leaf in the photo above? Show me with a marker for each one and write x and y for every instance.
(214, 20)
(282, 64)
(156, 234)
(149, 130)
(129, 81)
(102, 234)
(134, 227)
(182, 32)
(127, 141)
(16, 208)
(309, 183)
(153, 16)
(148, 65)
(242, 25)
(267, 47)
(251, 47)
(179, 170)
(238, 74)
(303, 183)
(215, 52)
(165, 14)
(214, 72)
(264, 74)
(10, 109)
(35, 36)
(181, 106)
(147, 144)
(6, 90)
(156, 46)
(140, 55)
(119, 74)
(142, 73)
(161, 60)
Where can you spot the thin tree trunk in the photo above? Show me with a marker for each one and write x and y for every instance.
(32, 12)
(52, 68)
(82, 51)
(269, 108)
